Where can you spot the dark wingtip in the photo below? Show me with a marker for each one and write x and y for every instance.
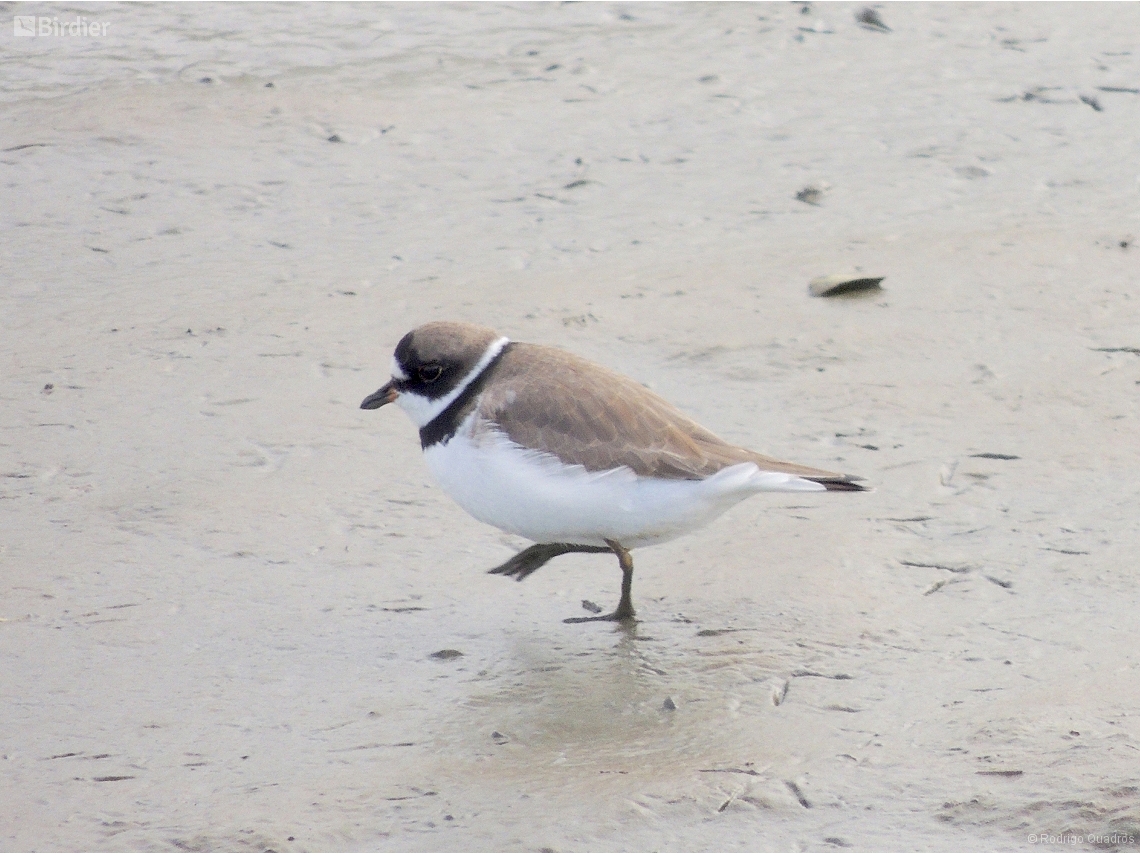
(842, 484)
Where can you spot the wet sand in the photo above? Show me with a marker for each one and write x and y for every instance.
(223, 584)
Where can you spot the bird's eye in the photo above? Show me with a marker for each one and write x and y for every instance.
(430, 373)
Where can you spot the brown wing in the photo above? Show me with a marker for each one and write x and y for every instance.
(588, 415)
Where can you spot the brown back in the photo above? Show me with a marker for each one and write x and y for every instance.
(588, 415)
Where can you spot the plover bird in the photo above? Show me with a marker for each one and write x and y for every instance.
(541, 443)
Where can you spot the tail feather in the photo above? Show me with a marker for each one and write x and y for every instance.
(833, 481)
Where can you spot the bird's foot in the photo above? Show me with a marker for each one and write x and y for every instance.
(526, 562)
(619, 615)
(612, 616)
(533, 557)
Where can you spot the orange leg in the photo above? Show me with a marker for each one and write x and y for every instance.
(624, 612)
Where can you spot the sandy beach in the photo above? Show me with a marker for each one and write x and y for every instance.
(236, 613)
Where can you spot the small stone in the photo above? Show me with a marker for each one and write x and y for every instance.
(843, 283)
(812, 195)
(869, 18)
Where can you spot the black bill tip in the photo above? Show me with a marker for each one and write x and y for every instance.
(386, 394)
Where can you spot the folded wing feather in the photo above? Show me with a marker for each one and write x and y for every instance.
(593, 417)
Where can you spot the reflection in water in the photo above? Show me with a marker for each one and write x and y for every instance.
(661, 724)
(624, 701)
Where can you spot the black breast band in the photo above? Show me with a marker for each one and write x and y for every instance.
(443, 427)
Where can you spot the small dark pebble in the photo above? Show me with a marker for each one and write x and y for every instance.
(669, 705)
(990, 455)
(870, 19)
(798, 793)
(446, 654)
(335, 138)
(591, 607)
(810, 195)
(290, 839)
(269, 85)
(206, 80)
(1092, 102)
(499, 738)
(48, 387)
(841, 283)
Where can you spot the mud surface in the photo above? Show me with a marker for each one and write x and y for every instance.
(236, 614)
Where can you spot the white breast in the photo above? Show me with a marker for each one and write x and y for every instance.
(537, 497)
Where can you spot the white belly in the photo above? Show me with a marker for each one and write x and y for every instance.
(537, 497)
